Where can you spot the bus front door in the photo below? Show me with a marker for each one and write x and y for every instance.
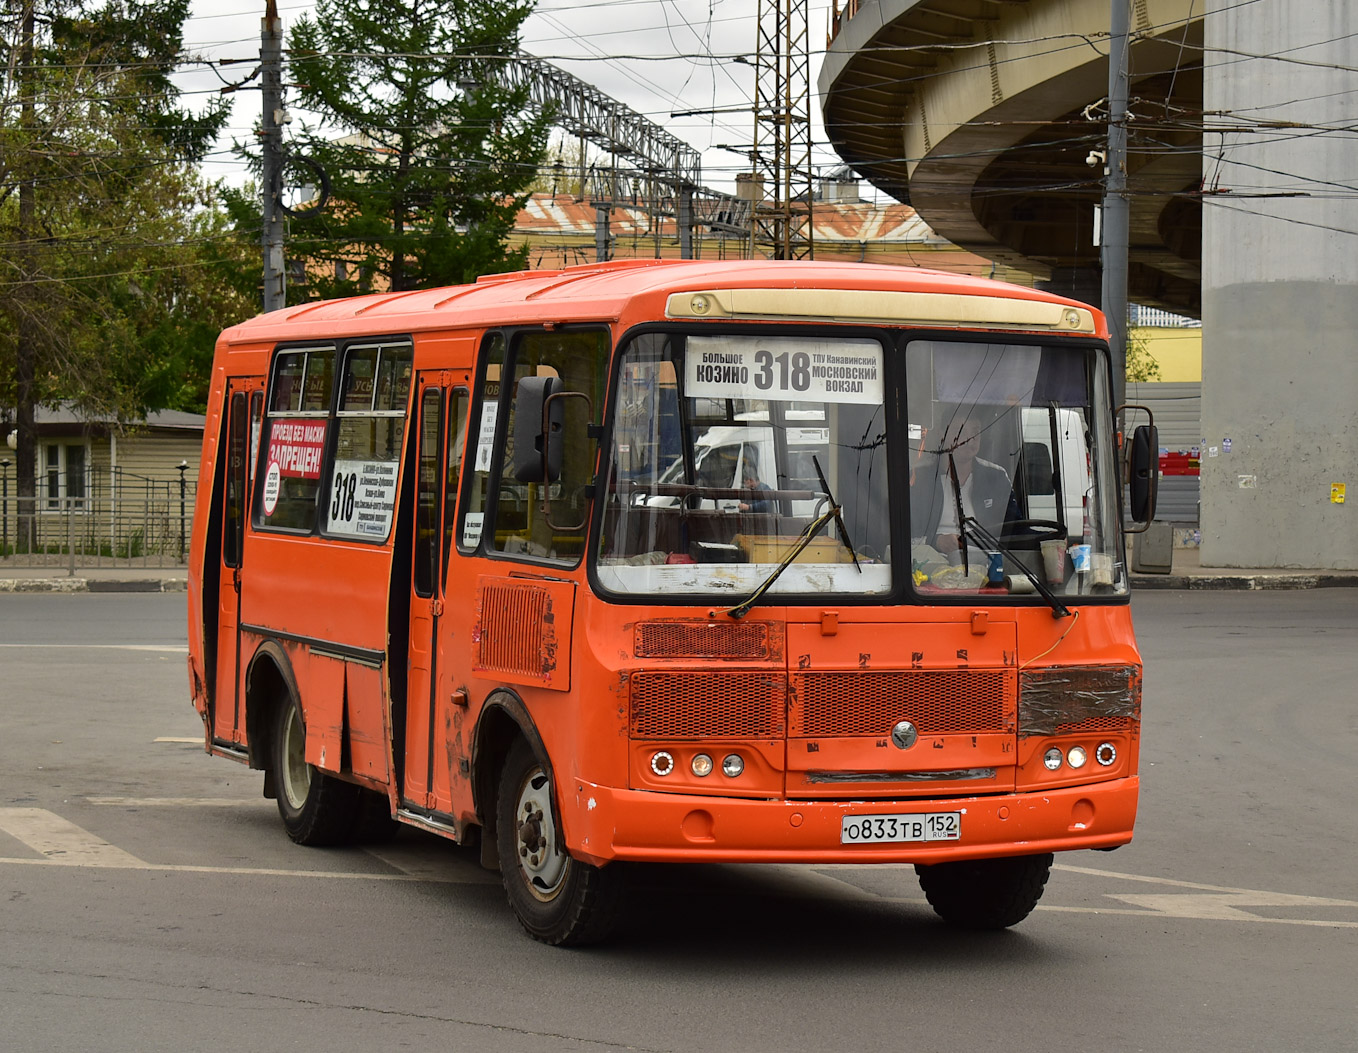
(432, 718)
(244, 404)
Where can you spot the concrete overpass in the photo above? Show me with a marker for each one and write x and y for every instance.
(982, 114)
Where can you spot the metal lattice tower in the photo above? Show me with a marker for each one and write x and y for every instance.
(648, 164)
(781, 225)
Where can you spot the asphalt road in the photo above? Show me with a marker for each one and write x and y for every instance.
(152, 902)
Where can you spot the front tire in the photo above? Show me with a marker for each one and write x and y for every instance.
(985, 893)
(558, 899)
(316, 808)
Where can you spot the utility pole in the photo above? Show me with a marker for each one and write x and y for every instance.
(1115, 233)
(26, 354)
(782, 131)
(271, 132)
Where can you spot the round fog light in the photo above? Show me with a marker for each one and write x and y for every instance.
(662, 763)
(702, 765)
(1076, 757)
(1106, 754)
(732, 765)
(1052, 759)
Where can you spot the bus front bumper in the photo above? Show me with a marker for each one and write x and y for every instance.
(604, 823)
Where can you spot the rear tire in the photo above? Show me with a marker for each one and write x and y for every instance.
(558, 899)
(316, 808)
(985, 893)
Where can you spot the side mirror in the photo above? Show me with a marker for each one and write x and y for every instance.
(538, 420)
(1143, 477)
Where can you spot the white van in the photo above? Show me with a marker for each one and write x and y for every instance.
(1055, 452)
(723, 453)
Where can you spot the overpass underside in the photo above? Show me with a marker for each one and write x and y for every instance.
(983, 115)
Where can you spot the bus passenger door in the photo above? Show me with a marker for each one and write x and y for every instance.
(244, 404)
(426, 596)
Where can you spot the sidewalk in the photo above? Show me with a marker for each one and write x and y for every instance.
(1186, 572)
(93, 579)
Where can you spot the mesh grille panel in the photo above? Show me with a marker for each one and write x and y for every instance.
(707, 705)
(944, 702)
(512, 619)
(1097, 725)
(697, 640)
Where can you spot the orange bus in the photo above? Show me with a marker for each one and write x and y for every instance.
(678, 561)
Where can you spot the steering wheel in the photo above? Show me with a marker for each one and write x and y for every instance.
(1033, 532)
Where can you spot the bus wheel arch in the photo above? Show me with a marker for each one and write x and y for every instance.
(316, 808)
(503, 719)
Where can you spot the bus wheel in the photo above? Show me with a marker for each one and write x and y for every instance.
(558, 899)
(317, 808)
(985, 893)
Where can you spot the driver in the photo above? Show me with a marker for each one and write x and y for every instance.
(985, 490)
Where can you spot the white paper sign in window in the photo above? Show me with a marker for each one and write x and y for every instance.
(783, 369)
(362, 498)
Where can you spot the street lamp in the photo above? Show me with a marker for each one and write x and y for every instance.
(183, 467)
(4, 506)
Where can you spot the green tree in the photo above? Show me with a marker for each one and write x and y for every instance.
(1141, 364)
(113, 245)
(428, 155)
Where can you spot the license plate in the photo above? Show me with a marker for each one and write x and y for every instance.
(876, 829)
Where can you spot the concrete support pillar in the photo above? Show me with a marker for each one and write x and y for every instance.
(1280, 288)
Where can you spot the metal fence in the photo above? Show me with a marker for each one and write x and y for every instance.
(114, 519)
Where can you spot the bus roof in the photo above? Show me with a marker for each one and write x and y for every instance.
(603, 291)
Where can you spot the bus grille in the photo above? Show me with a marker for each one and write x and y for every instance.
(693, 705)
(701, 640)
(937, 702)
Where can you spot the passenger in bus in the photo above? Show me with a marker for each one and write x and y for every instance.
(984, 488)
(756, 504)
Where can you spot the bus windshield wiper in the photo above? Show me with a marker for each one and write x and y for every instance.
(1059, 609)
(832, 514)
(961, 515)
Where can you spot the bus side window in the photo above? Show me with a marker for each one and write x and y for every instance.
(427, 492)
(233, 522)
(547, 520)
(457, 444)
(294, 438)
(370, 429)
(485, 428)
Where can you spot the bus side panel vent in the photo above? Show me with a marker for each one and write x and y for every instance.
(519, 626)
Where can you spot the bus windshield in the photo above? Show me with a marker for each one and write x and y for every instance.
(728, 449)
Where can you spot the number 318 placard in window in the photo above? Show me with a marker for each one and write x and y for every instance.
(783, 369)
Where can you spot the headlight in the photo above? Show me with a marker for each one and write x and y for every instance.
(732, 765)
(702, 765)
(662, 763)
(1052, 759)
(1106, 754)
(1076, 757)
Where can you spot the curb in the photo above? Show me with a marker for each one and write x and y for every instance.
(93, 585)
(1242, 582)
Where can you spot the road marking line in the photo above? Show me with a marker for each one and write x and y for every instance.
(1278, 898)
(418, 864)
(180, 868)
(179, 802)
(60, 841)
(196, 740)
(176, 648)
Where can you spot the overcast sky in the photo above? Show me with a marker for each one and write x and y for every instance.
(657, 56)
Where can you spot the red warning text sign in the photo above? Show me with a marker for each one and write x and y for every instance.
(296, 447)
